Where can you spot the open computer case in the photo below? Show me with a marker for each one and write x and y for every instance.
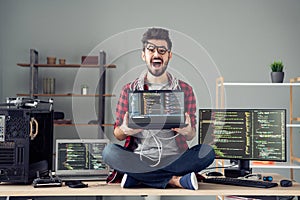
(26, 141)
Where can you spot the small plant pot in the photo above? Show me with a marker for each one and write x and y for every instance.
(277, 77)
(51, 60)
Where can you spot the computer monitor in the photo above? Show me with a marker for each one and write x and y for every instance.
(245, 134)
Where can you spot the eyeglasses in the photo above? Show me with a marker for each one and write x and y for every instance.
(160, 49)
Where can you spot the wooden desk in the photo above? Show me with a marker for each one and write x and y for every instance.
(102, 189)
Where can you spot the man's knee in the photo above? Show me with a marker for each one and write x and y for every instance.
(206, 151)
(107, 151)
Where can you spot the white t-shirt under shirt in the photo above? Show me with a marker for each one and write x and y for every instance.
(154, 144)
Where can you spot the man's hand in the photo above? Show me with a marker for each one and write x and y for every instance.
(186, 131)
(126, 130)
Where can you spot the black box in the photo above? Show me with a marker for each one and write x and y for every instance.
(26, 144)
(235, 172)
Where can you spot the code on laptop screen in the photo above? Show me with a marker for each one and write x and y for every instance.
(156, 104)
(80, 156)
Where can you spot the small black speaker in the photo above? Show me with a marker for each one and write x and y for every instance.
(58, 115)
(235, 173)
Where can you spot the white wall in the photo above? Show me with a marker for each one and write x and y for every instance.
(237, 39)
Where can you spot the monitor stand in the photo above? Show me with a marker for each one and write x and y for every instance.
(242, 170)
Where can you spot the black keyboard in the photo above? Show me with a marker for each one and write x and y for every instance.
(240, 182)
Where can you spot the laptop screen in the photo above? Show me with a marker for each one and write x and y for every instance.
(156, 109)
(80, 157)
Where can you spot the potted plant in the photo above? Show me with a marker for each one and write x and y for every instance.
(277, 73)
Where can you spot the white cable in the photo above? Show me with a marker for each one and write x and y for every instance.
(158, 144)
(159, 147)
(169, 138)
(159, 150)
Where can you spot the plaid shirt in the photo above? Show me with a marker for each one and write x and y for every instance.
(190, 108)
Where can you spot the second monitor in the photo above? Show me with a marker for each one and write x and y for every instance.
(245, 134)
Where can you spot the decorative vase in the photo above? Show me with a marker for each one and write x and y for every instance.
(277, 77)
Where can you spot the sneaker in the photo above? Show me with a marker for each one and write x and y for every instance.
(128, 182)
(189, 181)
(114, 177)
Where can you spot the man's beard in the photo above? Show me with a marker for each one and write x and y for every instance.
(159, 72)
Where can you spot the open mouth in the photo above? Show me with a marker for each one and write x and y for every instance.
(157, 62)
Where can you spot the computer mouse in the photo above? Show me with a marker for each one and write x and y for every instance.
(76, 184)
(214, 174)
(286, 183)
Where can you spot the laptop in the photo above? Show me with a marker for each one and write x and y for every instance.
(156, 109)
(80, 159)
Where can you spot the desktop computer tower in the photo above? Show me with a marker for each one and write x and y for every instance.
(26, 144)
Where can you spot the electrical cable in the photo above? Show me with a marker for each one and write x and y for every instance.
(159, 145)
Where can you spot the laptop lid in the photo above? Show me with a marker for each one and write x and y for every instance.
(156, 109)
(80, 157)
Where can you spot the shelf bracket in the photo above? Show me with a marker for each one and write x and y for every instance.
(34, 58)
(102, 81)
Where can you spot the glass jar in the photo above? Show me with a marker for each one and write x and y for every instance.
(84, 89)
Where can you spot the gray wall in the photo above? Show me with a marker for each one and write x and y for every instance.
(237, 39)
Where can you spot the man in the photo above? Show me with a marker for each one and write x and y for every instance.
(164, 160)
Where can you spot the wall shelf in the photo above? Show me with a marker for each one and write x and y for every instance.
(34, 66)
(259, 84)
(220, 87)
(55, 124)
(69, 95)
(283, 165)
(66, 65)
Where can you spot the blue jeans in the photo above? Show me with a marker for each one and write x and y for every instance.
(194, 159)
